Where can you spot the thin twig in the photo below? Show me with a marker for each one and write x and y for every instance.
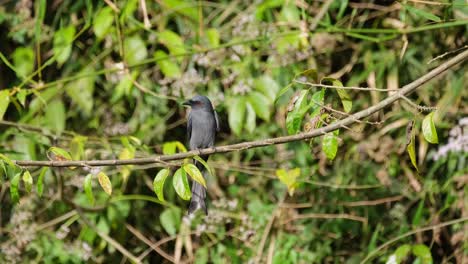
(373, 202)
(344, 87)
(320, 15)
(436, 72)
(140, 236)
(326, 216)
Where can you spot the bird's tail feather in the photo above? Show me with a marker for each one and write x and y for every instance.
(198, 200)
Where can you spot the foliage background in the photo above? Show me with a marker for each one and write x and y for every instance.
(105, 79)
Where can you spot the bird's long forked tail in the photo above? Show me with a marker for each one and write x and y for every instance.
(198, 200)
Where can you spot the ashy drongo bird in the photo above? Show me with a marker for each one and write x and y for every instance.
(202, 126)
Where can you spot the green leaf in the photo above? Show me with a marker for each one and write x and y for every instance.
(289, 178)
(135, 50)
(250, 119)
(181, 185)
(4, 102)
(77, 147)
(423, 253)
(21, 95)
(195, 173)
(158, 183)
(23, 60)
(60, 153)
(213, 37)
(421, 13)
(55, 116)
(418, 214)
(28, 181)
(402, 252)
(128, 10)
(105, 182)
(330, 144)
(429, 130)
(40, 181)
(170, 220)
(171, 147)
(236, 114)
(267, 86)
(172, 41)
(295, 117)
(182, 7)
(342, 93)
(124, 87)
(290, 13)
(260, 104)
(168, 67)
(63, 39)
(310, 74)
(103, 21)
(204, 163)
(14, 188)
(88, 188)
(7, 160)
(81, 90)
(411, 149)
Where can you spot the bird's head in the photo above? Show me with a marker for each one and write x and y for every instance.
(199, 102)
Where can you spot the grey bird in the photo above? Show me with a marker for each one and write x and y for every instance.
(202, 126)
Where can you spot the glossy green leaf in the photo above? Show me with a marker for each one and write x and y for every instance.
(105, 182)
(421, 13)
(135, 49)
(168, 67)
(330, 144)
(14, 187)
(295, 117)
(4, 102)
(250, 118)
(171, 147)
(158, 183)
(423, 253)
(213, 37)
(236, 114)
(27, 180)
(260, 104)
(411, 149)
(81, 90)
(267, 86)
(40, 181)
(55, 116)
(63, 40)
(60, 154)
(429, 130)
(88, 188)
(172, 41)
(342, 93)
(170, 220)
(402, 252)
(195, 173)
(205, 164)
(23, 60)
(181, 185)
(289, 178)
(103, 22)
(7, 160)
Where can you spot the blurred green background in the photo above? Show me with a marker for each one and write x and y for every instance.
(106, 79)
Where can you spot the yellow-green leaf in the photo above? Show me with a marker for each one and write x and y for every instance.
(195, 173)
(158, 183)
(330, 144)
(105, 182)
(103, 21)
(60, 154)
(28, 181)
(180, 183)
(411, 149)
(289, 178)
(40, 181)
(429, 130)
(4, 102)
(88, 188)
(14, 188)
(205, 164)
(342, 93)
(7, 160)
(236, 114)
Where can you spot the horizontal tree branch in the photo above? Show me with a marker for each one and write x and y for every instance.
(264, 142)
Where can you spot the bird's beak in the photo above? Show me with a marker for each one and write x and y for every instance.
(187, 103)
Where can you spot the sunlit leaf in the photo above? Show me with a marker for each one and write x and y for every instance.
(181, 6)
(14, 188)
(170, 220)
(60, 154)
(250, 118)
(429, 130)
(77, 147)
(330, 144)
(55, 116)
(195, 173)
(172, 41)
(21, 96)
(213, 37)
(342, 93)
(236, 114)
(402, 252)
(4, 102)
(23, 60)
(205, 164)
(289, 178)
(27, 180)
(158, 183)
(105, 182)
(40, 181)
(411, 149)
(103, 22)
(423, 253)
(290, 13)
(180, 183)
(63, 39)
(128, 10)
(299, 108)
(135, 49)
(88, 188)
(168, 67)
(7, 160)
(260, 104)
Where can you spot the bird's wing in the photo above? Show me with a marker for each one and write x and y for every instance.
(217, 121)
(189, 128)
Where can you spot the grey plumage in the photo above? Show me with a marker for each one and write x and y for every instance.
(202, 126)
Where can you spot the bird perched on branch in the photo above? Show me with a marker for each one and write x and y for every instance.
(202, 126)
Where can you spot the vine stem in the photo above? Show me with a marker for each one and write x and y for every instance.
(407, 89)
